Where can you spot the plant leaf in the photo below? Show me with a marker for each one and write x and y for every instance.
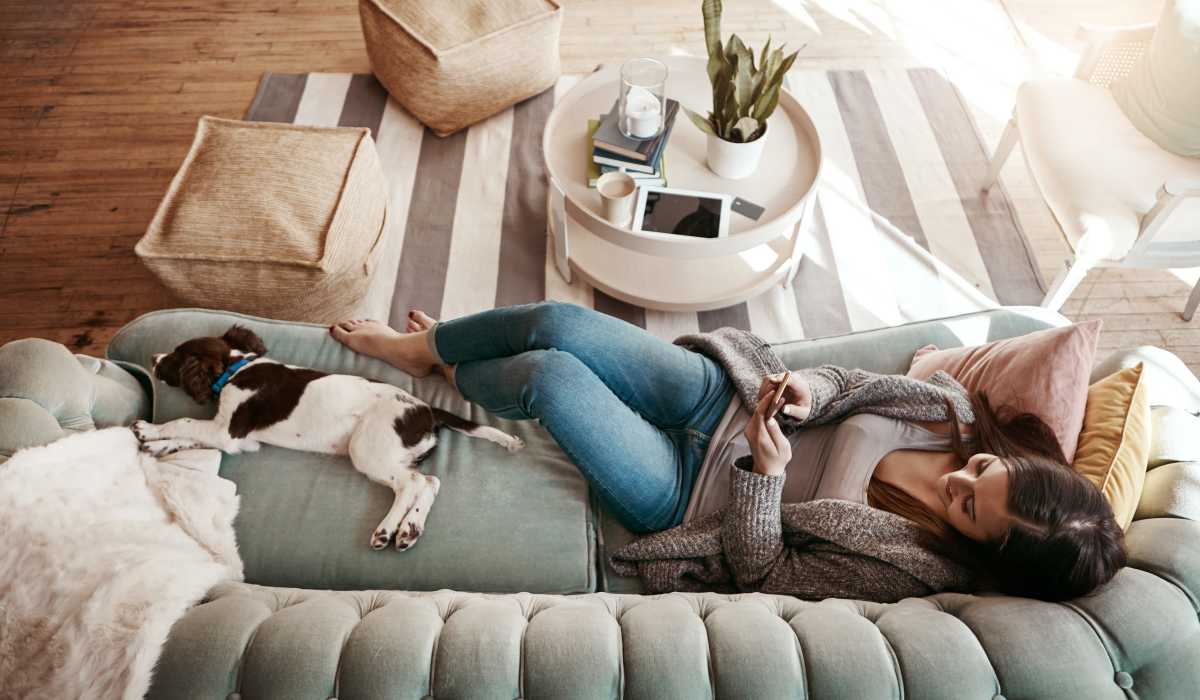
(722, 98)
(787, 65)
(745, 129)
(711, 10)
(701, 123)
(773, 61)
(724, 121)
(766, 103)
(762, 56)
(743, 82)
(740, 50)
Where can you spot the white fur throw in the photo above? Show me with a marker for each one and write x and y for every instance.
(102, 549)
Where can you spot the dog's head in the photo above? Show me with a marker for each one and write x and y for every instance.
(197, 363)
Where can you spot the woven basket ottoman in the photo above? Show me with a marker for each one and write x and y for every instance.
(453, 63)
(275, 220)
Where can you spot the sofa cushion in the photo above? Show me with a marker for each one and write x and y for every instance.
(1166, 377)
(1174, 436)
(1171, 491)
(1115, 440)
(47, 393)
(502, 522)
(1043, 373)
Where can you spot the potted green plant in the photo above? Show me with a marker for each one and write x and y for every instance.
(745, 93)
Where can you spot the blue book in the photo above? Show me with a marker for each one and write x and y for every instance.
(608, 137)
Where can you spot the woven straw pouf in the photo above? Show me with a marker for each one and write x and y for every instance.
(274, 220)
(452, 63)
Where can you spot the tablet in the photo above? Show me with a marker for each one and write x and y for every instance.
(682, 212)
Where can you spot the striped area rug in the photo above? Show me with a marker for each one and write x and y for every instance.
(900, 231)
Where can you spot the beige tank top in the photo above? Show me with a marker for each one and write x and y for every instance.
(828, 461)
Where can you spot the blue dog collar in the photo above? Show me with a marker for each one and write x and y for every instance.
(220, 383)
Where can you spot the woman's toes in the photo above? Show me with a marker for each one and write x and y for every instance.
(423, 320)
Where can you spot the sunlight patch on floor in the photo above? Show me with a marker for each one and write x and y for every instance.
(866, 16)
(974, 43)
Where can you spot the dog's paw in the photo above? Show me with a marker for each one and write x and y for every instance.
(162, 448)
(407, 536)
(515, 444)
(144, 431)
(380, 539)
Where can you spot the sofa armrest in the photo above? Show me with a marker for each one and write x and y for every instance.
(1169, 548)
(46, 392)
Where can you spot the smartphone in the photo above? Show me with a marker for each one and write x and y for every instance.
(777, 399)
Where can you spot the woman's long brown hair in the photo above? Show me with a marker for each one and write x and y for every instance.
(1063, 540)
(1007, 435)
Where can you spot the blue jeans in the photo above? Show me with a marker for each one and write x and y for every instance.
(634, 412)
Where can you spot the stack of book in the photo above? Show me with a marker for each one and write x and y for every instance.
(642, 159)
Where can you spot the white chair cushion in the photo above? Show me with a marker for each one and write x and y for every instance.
(1161, 94)
(1096, 171)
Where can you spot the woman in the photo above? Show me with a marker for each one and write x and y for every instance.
(878, 496)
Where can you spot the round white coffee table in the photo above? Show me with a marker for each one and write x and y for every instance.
(668, 271)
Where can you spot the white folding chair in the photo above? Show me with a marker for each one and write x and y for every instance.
(1120, 199)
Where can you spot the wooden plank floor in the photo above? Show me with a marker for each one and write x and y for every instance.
(98, 101)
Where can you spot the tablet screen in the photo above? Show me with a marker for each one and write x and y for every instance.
(685, 214)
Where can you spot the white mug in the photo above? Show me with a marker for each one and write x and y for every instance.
(618, 191)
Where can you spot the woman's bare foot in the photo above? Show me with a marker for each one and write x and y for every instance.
(407, 352)
(420, 321)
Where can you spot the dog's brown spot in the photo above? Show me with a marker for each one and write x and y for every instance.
(194, 365)
(277, 390)
(454, 422)
(244, 339)
(414, 424)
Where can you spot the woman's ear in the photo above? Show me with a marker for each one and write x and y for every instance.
(196, 377)
(244, 339)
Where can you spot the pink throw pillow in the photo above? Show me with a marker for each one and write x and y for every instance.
(1044, 373)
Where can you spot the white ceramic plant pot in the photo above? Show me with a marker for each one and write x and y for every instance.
(734, 161)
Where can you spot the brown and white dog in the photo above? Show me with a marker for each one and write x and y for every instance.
(385, 430)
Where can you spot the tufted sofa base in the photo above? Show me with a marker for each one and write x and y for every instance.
(263, 642)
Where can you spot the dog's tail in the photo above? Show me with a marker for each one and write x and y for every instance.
(475, 430)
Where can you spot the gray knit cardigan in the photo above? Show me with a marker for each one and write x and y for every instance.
(817, 549)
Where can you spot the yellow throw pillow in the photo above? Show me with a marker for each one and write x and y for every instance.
(1114, 445)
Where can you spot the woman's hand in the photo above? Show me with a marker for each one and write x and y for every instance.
(797, 397)
(768, 445)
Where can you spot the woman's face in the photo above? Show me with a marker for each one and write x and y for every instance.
(976, 498)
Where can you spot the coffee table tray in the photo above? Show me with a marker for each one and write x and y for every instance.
(668, 271)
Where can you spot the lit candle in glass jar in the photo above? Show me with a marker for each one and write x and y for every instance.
(643, 113)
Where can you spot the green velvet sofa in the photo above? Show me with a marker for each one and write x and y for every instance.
(507, 594)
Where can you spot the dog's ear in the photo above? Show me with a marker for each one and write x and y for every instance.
(244, 339)
(196, 377)
(167, 369)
